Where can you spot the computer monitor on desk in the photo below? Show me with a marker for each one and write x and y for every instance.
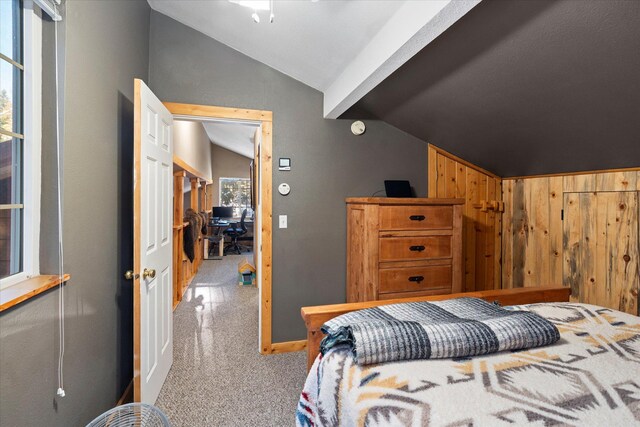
(222, 213)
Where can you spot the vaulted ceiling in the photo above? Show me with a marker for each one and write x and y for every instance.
(309, 41)
(517, 87)
(524, 87)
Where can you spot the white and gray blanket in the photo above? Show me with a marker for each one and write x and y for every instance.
(435, 330)
(589, 377)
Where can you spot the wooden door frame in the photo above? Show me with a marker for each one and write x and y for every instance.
(265, 118)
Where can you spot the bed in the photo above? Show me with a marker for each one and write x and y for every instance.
(591, 376)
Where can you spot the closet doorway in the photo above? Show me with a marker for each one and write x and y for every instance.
(262, 193)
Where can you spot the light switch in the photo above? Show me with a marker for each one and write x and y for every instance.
(283, 221)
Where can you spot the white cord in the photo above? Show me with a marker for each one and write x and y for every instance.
(60, 392)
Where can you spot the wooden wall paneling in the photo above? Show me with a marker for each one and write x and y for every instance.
(616, 181)
(554, 251)
(601, 248)
(457, 258)
(470, 232)
(536, 268)
(461, 181)
(638, 180)
(572, 252)
(441, 178)
(490, 237)
(497, 257)
(450, 176)
(622, 251)
(579, 183)
(597, 290)
(432, 172)
(507, 234)
(588, 203)
(481, 230)
(520, 227)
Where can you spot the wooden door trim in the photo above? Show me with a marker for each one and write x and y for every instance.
(137, 200)
(265, 118)
(216, 112)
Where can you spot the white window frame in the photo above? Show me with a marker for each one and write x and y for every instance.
(220, 187)
(32, 144)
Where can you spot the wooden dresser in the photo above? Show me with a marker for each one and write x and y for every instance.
(400, 248)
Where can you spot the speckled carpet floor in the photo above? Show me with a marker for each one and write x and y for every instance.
(218, 377)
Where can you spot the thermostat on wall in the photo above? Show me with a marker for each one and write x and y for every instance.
(284, 189)
(284, 164)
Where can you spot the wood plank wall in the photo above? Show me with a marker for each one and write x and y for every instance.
(594, 249)
(450, 176)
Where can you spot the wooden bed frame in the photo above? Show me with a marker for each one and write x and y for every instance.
(314, 317)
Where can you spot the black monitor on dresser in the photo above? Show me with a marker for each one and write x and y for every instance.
(395, 188)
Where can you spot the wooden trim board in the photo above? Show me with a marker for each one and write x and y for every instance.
(266, 178)
(266, 147)
(212, 111)
(315, 317)
(137, 196)
(547, 175)
(191, 172)
(22, 291)
(288, 346)
(127, 395)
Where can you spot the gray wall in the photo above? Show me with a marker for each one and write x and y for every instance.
(191, 143)
(226, 164)
(106, 46)
(329, 163)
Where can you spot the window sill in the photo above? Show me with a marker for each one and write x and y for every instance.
(22, 291)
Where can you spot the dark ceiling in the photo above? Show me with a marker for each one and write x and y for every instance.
(525, 87)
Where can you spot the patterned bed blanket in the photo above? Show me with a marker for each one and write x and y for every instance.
(590, 377)
(436, 330)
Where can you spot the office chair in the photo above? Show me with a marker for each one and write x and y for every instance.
(234, 232)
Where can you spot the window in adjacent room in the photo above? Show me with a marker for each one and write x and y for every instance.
(20, 73)
(236, 192)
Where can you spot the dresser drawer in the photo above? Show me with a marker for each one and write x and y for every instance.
(411, 279)
(415, 217)
(414, 248)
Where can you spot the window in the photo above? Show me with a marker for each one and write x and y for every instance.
(236, 192)
(20, 69)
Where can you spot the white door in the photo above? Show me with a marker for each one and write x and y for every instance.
(153, 219)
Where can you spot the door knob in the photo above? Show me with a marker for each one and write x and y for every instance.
(149, 272)
(130, 275)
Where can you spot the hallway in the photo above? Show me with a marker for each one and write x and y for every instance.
(218, 377)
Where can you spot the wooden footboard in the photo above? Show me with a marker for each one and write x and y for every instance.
(314, 317)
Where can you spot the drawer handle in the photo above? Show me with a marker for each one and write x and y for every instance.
(416, 279)
(417, 217)
(419, 248)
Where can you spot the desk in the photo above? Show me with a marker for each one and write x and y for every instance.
(217, 230)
